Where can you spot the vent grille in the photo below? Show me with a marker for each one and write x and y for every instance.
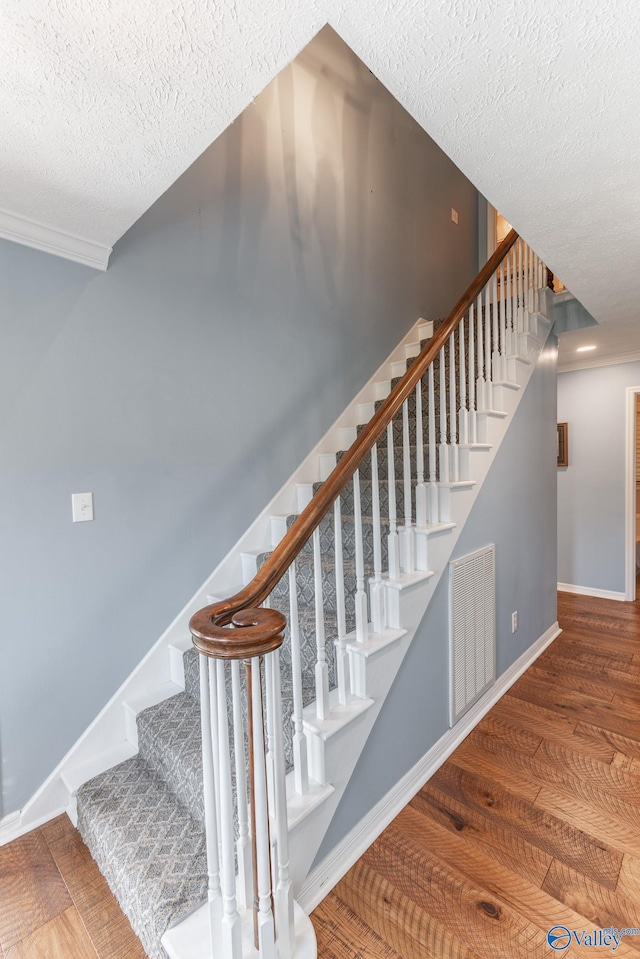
(472, 637)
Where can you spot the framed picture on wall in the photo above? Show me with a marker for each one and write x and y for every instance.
(563, 444)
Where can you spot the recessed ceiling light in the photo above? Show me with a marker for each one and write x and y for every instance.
(584, 349)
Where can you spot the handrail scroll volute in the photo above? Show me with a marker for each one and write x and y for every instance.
(256, 633)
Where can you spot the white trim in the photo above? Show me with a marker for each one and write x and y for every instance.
(630, 497)
(333, 867)
(12, 826)
(591, 591)
(48, 239)
(614, 360)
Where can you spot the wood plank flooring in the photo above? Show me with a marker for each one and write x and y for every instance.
(534, 821)
(54, 902)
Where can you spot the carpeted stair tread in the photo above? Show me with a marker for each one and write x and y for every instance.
(147, 845)
(170, 741)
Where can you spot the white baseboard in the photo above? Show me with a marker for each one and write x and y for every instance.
(591, 591)
(12, 825)
(333, 867)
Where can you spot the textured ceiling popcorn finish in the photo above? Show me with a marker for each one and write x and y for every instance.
(104, 105)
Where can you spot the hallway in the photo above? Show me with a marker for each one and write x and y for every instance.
(533, 822)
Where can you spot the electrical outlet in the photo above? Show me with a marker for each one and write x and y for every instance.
(454, 215)
(81, 507)
(514, 622)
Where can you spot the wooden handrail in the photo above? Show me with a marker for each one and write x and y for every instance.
(208, 624)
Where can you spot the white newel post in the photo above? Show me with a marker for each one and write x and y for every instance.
(247, 841)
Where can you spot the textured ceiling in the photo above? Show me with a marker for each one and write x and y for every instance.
(103, 105)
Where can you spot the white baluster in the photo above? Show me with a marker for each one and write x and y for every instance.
(503, 322)
(463, 412)
(488, 390)
(342, 658)
(520, 285)
(362, 627)
(270, 724)
(215, 747)
(527, 253)
(444, 463)
(508, 303)
(453, 418)
(421, 489)
(473, 428)
(283, 884)
(243, 843)
(264, 924)
(407, 543)
(394, 550)
(377, 589)
(214, 891)
(495, 353)
(321, 669)
(433, 485)
(300, 762)
(231, 923)
(480, 382)
(514, 300)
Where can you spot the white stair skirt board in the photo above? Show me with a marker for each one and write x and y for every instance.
(110, 728)
(591, 591)
(330, 871)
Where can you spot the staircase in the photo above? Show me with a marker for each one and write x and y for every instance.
(345, 580)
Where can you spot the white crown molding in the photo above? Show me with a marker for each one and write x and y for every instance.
(19, 229)
(591, 591)
(614, 360)
(333, 867)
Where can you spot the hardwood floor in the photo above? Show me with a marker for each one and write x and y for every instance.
(55, 904)
(533, 822)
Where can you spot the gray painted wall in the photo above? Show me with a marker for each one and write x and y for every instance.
(516, 510)
(237, 319)
(591, 489)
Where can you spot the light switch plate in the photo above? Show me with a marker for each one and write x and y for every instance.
(81, 507)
